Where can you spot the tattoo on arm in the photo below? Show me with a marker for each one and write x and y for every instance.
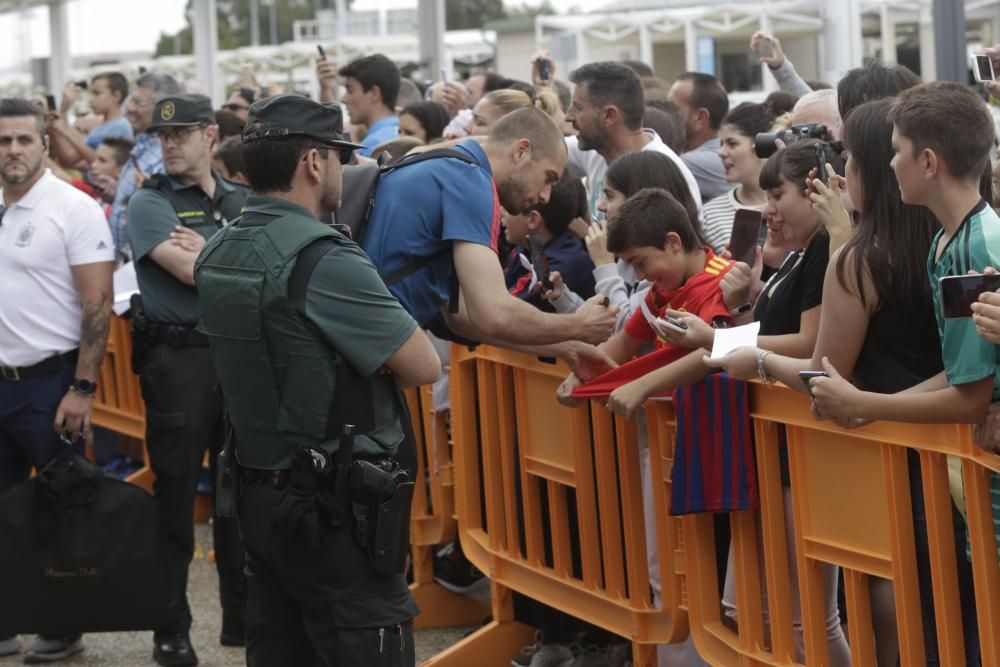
(94, 327)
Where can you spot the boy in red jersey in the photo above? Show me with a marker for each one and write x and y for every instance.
(652, 232)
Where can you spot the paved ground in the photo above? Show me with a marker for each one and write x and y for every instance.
(135, 649)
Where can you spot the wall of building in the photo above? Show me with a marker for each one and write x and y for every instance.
(514, 52)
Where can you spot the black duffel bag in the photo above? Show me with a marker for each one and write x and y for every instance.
(80, 552)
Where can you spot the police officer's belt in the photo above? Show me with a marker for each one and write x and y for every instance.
(277, 479)
(50, 366)
(175, 336)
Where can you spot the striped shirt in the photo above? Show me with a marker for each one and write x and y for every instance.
(717, 219)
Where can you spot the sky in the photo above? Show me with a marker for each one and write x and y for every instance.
(101, 26)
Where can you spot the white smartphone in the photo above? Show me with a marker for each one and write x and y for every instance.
(671, 323)
(444, 75)
(765, 48)
(982, 67)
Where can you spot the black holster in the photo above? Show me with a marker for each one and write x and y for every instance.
(381, 496)
(227, 487)
(139, 329)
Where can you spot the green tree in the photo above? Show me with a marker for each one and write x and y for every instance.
(472, 14)
(234, 24)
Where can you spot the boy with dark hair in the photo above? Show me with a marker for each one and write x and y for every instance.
(228, 161)
(652, 232)
(372, 86)
(543, 245)
(108, 91)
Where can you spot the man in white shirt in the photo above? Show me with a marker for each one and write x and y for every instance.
(56, 256)
(607, 110)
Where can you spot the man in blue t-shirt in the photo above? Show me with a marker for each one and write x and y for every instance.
(108, 91)
(372, 86)
(441, 218)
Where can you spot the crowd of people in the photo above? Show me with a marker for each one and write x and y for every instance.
(593, 220)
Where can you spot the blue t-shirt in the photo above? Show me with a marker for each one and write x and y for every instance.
(119, 127)
(419, 210)
(382, 130)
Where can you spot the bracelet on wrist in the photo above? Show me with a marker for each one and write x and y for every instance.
(764, 377)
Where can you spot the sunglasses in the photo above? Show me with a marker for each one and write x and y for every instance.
(346, 154)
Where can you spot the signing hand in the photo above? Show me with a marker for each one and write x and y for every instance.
(597, 244)
(834, 397)
(741, 363)
(596, 320)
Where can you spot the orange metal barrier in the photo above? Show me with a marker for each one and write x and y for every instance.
(851, 508)
(524, 465)
(432, 520)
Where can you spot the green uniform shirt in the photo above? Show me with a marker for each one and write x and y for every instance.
(967, 356)
(151, 219)
(355, 313)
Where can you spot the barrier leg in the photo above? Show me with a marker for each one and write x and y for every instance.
(439, 607)
(494, 644)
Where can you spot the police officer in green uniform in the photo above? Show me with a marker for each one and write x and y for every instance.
(169, 220)
(311, 351)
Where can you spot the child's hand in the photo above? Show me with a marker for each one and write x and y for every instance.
(564, 394)
(597, 244)
(553, 294)
(986, 313)
(585, 360)
(698, 333)
(834, 397)
(628, 398)
(987, 434)
(741, 363)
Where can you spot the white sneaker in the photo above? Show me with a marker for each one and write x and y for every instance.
(552, 655)
(52, 649)
(10, 646)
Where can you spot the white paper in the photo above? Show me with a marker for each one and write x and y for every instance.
(727, 340)
(125, 285)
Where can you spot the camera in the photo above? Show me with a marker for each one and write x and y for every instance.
(764, 143)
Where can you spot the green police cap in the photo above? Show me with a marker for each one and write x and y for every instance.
(182, 110)
(294, 115)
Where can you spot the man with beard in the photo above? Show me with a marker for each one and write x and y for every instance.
(607, 111)
(56, 258)
(170, 218)
(311, 352)
(433, 233)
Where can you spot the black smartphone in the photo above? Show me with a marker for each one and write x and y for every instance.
(81, 84)
(982, 67)
(544, 69)
(745, 234)
(547, 284)
(322, 53)
(806, 376)
(958, 293)
(50, 102)
(821, 174)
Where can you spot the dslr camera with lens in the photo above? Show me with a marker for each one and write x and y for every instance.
(764, 143)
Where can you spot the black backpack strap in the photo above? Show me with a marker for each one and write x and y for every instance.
(305, 264)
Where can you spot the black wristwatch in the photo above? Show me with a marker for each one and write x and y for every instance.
(84, 387)
(741, 310)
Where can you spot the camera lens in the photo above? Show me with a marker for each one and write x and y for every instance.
(763, 144)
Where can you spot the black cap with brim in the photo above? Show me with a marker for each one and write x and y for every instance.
(290, 115)
(180, 110)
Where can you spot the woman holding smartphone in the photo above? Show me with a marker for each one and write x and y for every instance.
(788, 310)
(878, 328)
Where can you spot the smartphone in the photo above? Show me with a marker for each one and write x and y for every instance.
(444, 75)
(673, 323)
(81, 84)
(821, 174)
(745, 235)
(547, 284)
(806, 376)
(544, 69)
(982, 67)
(765, 48)
(50, 102)
(135, 163)
(958, 293)
(322, 53)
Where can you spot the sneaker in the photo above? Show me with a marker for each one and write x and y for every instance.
(552, 655)
(527, 652)
(52, 649)
(455, 573)
(10, 645)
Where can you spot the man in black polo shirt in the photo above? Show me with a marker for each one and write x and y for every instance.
(169, 220)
